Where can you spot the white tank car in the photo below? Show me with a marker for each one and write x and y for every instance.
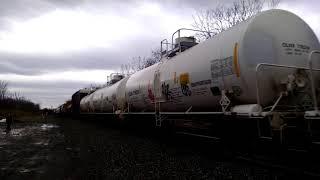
(197, 77)
(84, 106)
(97, 99)
(107, 99)
(86, 103)
(140, 89)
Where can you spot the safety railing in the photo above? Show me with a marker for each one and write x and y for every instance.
(310, 68)
(314, 95)
(185, 29)
(166, 43)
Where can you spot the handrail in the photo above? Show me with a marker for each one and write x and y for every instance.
(189, 109)
(280, 66)
(314, 95)
(167, 47)
(188, 29)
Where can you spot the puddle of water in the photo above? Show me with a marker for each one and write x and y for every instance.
(45, 143)
(17, 132)
(4, 142)
(48, 126)
(25, 170)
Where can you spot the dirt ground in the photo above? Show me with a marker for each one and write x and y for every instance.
(72, 149)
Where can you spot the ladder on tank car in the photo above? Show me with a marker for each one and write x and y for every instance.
(158, 97)
(158, 116)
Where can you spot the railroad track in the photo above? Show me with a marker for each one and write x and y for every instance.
(295, 162)
(281, 167)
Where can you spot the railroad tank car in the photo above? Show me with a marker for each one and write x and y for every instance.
(76, 98)
(107, 99)
(84, 104)
(233, 69)
(140, 89)
(227, 65)
(258, 71)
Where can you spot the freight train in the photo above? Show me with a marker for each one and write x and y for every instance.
(261, 75)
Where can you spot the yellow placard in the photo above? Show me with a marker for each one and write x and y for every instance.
(235, 60)
(184, 78)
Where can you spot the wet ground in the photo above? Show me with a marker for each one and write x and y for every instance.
(72, 149)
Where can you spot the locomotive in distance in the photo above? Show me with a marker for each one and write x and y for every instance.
(264, 70)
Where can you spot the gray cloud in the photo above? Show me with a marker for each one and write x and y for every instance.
(47, 94)
(9, 67)
(33, 64)
(21, 10)
(39, 64)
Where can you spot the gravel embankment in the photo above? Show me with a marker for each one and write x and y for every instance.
(71, 149)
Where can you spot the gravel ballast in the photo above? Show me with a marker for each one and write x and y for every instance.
(73, 149)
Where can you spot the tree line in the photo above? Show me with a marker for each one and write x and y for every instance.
(14, 101)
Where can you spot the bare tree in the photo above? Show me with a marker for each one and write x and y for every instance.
(153, 59)
(138, 63)
(126, 69)
(122, 70)
(14, 100)
(273, 3)
(221, 18)
(156, 55)
(3, 89)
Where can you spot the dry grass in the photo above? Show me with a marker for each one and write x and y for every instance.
(23, 116)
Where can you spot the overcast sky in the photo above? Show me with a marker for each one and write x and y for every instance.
(51, 48)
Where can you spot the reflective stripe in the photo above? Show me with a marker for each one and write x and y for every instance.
(235, 60)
